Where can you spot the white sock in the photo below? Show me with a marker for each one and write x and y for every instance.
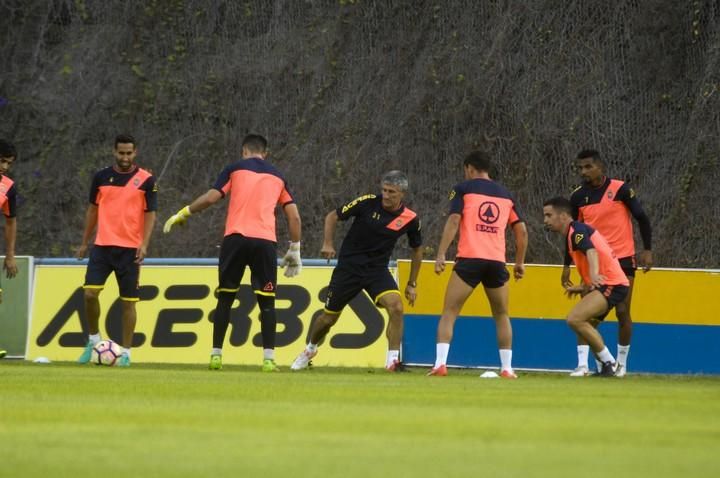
(505, 359)
(269, 354)
(126, 352)
(216, 351)
(441, 354)
(622, 355)
(605, 356)
(598, 365)
(392, 356)
(312, 348)
(583, 352)
(95, 338)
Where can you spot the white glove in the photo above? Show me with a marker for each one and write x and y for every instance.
(179, 218)
(292, 262)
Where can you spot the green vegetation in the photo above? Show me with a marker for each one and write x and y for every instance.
(166, 420)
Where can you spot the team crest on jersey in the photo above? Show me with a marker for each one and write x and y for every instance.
(578, 238)
(399, 223)
(269, 287)
(112, 179)
(610, 194)
(489, 212)
(136, 182)
(3, 189)
(451, 195)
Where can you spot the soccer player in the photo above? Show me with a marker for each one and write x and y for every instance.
(255, 188)
(8, 202)
(481, 210)
(606, 205)
(123, 201)
(378, 222)
(604, 282)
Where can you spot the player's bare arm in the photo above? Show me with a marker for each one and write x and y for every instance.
(9, 264)
(580, 289)
(411, 286)
(141, 253)
(449, 232)
(521, 242)
(328, 248)
(646, 260)
(201, 203)
(91, 219)
(595, 276)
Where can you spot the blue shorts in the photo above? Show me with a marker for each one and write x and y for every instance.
(492, 274)
(104, 260)
(238, 252)
(614, 295)
(347, 282)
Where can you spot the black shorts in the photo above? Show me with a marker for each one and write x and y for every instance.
(492, 274)
(105, 260)
(346, 282)
(614, 295)
(238, 252)
(628, 265)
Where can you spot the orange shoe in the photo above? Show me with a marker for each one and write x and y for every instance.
(507, 373)
(439, 371)
(396, 366)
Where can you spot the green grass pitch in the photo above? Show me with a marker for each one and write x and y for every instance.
(67, 420)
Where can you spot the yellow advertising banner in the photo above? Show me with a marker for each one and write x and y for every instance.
(175, 313)
(661, 296)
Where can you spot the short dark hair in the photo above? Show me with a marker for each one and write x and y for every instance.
(559, 203)
(592, 155)
(255, 143)
(479, 160)
(7, 149)
(125, 139)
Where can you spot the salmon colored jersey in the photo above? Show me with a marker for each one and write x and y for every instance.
(580, 239)
(8, 196)
(255, 189)
(122, 200)
(374, 232)
(608, 209)
(487, 208)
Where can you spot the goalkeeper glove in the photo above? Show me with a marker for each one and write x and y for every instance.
(292, 262)
(179, 218)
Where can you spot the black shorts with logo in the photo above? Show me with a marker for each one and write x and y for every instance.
(104, 260)
(614, 295)
(492, 274)
(347, 281)
(628, 265)
(238, 252)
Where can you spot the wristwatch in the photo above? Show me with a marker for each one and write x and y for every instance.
(412, 283)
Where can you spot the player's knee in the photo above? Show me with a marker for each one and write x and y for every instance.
(574, 320)
(91, 294)
(395, 309)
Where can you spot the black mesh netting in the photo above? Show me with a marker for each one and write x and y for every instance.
(346, 90)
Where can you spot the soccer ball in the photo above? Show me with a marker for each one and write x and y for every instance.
(106, 352)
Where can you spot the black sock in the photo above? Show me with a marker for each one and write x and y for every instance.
(268, 321)
(221, 319)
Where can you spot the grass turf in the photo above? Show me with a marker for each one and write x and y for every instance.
(66, 420)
